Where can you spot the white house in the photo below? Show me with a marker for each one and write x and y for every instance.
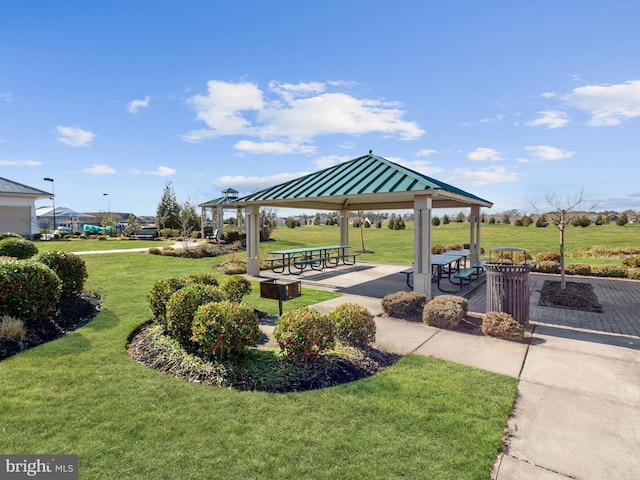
(17, 207)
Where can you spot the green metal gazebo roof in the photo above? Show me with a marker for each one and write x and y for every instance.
(369, 182)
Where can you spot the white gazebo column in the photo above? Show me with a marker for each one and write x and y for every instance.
(220, 220)
(253, 240)
(344, 227)
(474, 235)
(422, 246)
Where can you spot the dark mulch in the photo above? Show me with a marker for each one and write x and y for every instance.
(258, 369)
(577, 296)
(70, 314)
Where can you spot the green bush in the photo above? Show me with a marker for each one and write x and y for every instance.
(633, 273)
(29, 290)
(578, 269)
(160, 294)
(633, 261)
(9, 235)
(547, 257)
(168, 232)
(549, 266)
(17, 247)
(70, 268)
(304, 333)
(353, 325)
(224, 329)
(405, 305)
(235, 288)
(442, 314)
(453, 246)
(203, 278)
(182, 307)
(502, 325)
(616, 271)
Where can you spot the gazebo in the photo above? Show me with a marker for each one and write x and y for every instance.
(368, 182)
(217, 206)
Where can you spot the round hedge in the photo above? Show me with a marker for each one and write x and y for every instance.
(304, 333)
(235, 288)
(182, 307)
(69, 267)
(17, 248)
(353, 324)
(224, 329)
(29, 290)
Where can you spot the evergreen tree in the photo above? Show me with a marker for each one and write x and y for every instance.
(168, 212)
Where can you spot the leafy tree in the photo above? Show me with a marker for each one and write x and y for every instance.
(623, 219)
(600, 220)
(435, 221)
(542, 221)
(133, 224)
(168, 212)
(446, 220)
(460, 217)
(526, 220)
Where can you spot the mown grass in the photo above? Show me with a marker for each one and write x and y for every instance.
(396, 246)
(92, 244)
(82, 394)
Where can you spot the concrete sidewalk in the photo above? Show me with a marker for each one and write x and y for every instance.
(577, 411)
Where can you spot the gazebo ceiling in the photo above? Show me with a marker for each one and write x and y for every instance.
(369, 182)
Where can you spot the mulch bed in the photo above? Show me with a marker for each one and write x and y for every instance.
(70, 314)
(577, 296)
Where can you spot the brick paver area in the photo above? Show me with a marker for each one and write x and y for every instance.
(620, 300)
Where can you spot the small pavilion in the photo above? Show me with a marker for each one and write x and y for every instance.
(368, 182)
(217, 207)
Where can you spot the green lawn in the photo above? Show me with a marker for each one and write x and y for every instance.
(82, 394)
(85, 245)
(396, 246)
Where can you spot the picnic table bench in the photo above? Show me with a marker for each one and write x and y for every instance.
(450, 265)
(296, 260)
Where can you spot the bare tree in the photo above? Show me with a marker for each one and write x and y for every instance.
(562, 215)
(361, 217)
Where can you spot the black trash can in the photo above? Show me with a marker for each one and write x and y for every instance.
(508, 282)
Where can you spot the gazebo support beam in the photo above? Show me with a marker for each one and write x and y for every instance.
(253, 240)
(422, 245)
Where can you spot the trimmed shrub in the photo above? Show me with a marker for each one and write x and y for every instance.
(29, 290)
(168, 251)
(548, 267)
(633, 261)
(578, 269)
(235, 288)
(453, 246)
(70, 268)
(547, 257)
(436, 249)
(353, 325)
(154, 251)
(304, 333)
(502, 325)
(203, 278)
(224, 329)
(521, 257)
(441, 314)
(9, 235)
(633, 273)
(17, 247)
(168, 232)
(182, 307)
(616, 271)
(406, 305)
(160, 294)
(458, 300)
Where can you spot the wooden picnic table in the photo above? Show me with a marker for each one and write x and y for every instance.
(317, 258)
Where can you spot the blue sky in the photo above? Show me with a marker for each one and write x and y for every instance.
(508, 100)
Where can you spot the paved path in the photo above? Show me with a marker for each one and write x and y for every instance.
(577, 411)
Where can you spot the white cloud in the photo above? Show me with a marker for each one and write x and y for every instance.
(74, 136)
(250, 184)
(161, 171)
(425, 152)
(482, 154)
(547, 154)
(329, 161)
(550, 118)
(608, 104)
(293, 113)
(548, 95)
(273, 147)
(134, 105)
(5, 97)
(19, 163)
(483, 176)
(98, 169)
(420, 166)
